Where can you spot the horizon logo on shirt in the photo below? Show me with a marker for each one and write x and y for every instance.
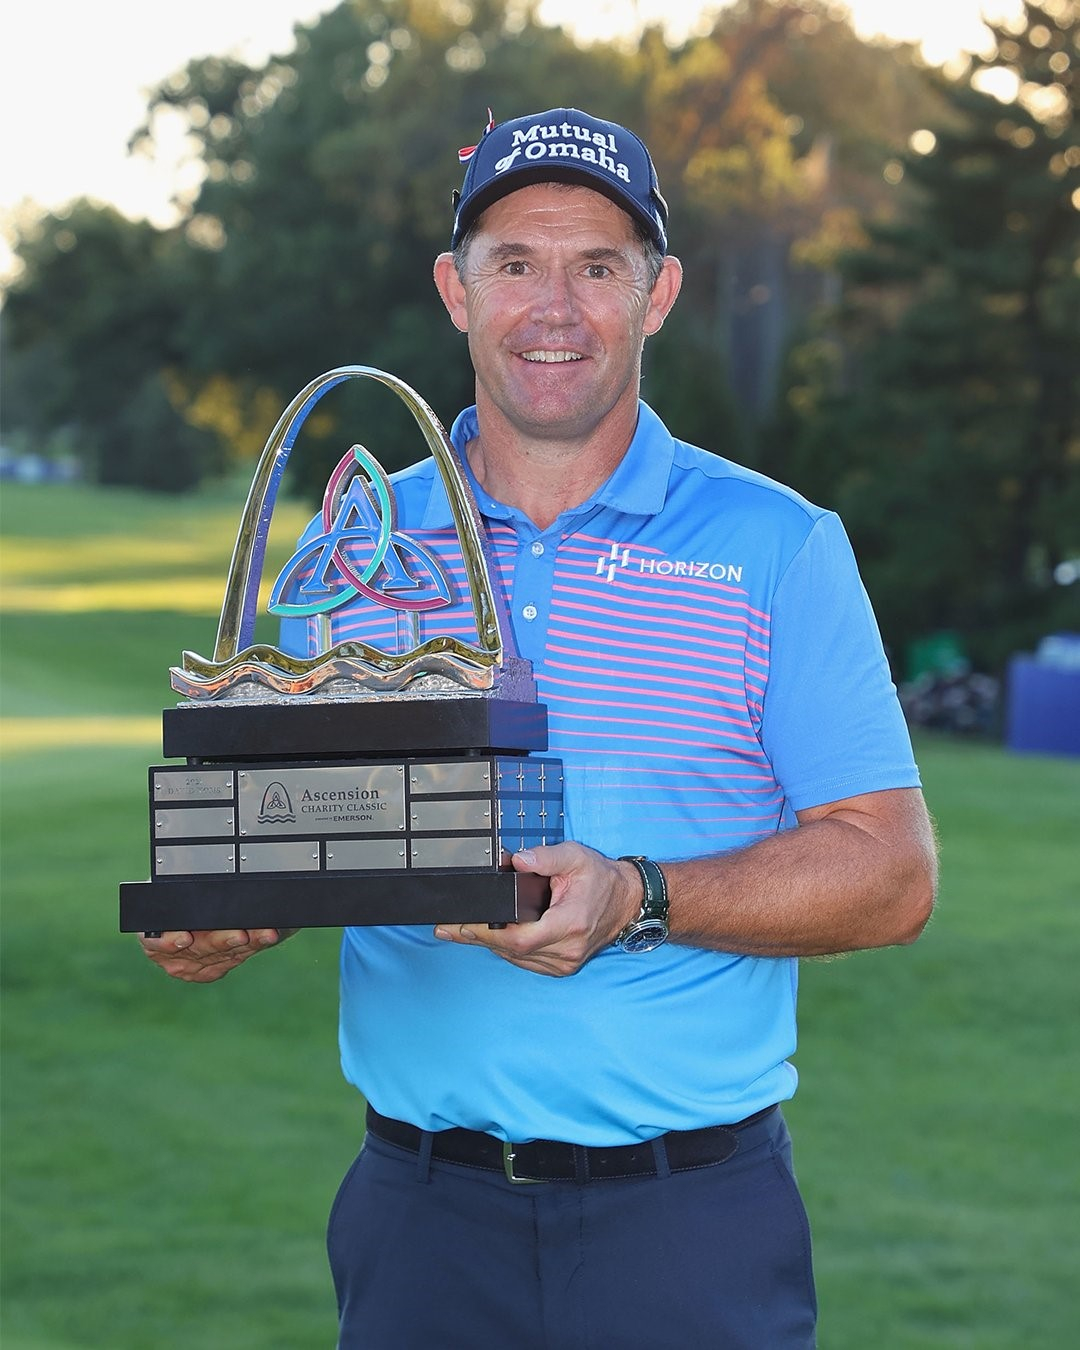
(618, 557)
(607, 562)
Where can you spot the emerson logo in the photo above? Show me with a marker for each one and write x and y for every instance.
(619, 558)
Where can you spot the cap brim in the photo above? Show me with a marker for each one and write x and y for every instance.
(528, 174)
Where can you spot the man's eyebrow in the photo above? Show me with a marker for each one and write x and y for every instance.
(500, 252)
(602, 253)
(605, 255)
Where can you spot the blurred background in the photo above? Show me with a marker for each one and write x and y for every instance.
(879, 216)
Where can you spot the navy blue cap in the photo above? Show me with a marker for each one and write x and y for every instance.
(561, 146)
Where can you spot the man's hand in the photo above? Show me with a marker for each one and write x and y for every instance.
(593, 898)
(859, 872)
(208, 955)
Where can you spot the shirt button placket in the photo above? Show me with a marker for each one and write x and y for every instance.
(531, 597)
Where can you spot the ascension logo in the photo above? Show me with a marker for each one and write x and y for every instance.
(359, 544)
(618, 558)
(276, 807)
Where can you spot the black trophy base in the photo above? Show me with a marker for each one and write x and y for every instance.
(339, 900)
(295, 816)
(210, 732)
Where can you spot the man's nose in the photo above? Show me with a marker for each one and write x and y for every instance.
(555, 301)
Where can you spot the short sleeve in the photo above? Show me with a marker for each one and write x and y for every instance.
(831, 722)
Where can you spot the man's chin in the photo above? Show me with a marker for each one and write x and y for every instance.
(561, 419)
(558, 427)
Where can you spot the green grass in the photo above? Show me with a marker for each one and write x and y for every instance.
(939, 1082)
(103, 591)
(170, 1153)
(168, 1158)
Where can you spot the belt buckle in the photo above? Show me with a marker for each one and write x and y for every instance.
(508, 1167)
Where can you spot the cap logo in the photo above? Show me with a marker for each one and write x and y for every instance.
(560, 141)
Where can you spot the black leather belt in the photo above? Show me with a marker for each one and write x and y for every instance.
(550, 1160)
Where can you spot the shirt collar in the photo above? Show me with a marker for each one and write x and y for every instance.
(638, 487)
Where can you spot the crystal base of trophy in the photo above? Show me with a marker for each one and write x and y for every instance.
(354, 785)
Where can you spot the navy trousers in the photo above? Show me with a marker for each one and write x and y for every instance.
(428, 1255)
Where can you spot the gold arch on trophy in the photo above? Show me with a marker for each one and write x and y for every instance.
(238, 662)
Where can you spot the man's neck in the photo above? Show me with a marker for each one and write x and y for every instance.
(543, 477)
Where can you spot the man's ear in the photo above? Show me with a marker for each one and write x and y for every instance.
(663, 295)
(448, 284)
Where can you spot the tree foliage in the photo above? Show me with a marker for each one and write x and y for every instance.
(326, 186)
(939, 410)
(934, 404)
(91, 330)
(327, 197)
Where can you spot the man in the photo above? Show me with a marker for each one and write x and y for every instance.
(719, 696)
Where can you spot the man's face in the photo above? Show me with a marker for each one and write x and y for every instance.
(556, 300)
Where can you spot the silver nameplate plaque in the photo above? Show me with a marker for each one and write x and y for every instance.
(194, 822)
(300, 855)
(367, 817)
(194, 860)
(193, 785)
(358, 799)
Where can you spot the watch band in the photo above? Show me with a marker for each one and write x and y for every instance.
(650, 928)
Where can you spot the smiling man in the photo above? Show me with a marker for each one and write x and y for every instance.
(600, 1160)
(555, 290)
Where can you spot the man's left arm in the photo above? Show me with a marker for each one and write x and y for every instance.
(856, 873)
(860, 869)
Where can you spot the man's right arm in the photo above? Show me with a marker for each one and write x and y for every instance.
(205, 956)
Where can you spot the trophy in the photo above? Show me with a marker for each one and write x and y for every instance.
(357, 785)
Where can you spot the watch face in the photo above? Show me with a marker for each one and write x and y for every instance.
(645, 936)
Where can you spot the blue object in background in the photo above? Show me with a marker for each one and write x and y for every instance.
(1043, 713)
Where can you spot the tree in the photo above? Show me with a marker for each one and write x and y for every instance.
(939, 410)
(327, 196)
(90, 334)
(770, 130)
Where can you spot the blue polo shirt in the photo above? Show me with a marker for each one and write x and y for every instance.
(710, 664)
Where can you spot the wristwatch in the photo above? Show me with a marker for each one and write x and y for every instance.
(650, 928)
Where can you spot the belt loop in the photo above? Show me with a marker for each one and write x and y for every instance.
(423, 1157)
(581, 1164)
(660, 1157)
